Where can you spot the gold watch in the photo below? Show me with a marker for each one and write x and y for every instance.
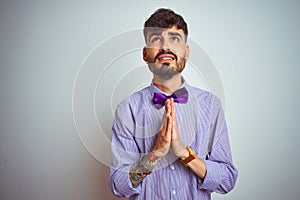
(192, 156)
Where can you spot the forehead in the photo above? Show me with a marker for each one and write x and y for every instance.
(163, 31)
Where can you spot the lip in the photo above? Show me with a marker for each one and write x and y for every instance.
(166, 57)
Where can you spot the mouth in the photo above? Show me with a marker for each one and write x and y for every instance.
(166, 57)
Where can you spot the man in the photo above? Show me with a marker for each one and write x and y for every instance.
(169, 140)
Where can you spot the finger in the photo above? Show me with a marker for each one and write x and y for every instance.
(169, 128)
(167, 114)
(163, 122)
(168, 107)
(174, 122)
(173, 111)
(163, 129)
(174, 114)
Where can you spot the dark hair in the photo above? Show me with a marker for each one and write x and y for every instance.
(165, 18)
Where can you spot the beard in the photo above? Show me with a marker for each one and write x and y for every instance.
(165, 71)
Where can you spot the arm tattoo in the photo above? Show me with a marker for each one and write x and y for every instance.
(140, 170)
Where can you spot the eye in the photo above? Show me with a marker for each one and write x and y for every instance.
(156, 39)
(175, 39)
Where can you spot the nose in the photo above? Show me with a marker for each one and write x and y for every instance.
(164, 50)
(165, 45)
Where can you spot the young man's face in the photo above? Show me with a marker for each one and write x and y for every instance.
(166, 52)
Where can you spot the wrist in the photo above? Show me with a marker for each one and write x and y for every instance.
(158, 154)
(191, 156)
(185, 154)
(149, 161)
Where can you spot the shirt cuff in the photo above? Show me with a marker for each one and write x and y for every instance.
(212, 178)
(122, 185)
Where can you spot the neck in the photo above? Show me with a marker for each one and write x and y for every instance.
(168, 86)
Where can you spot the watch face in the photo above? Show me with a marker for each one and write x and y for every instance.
(192, 153)
(191, 157)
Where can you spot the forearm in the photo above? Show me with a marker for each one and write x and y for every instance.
(143, 168)
(197, 165)
(214, 175)
(220, 176)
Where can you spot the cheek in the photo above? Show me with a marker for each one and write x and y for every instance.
(180, 50)
(151, 53)
(181, 53)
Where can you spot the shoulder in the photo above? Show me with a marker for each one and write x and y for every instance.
(136, 100)
(205, 97)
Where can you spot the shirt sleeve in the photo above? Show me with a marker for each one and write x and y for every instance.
(221, 174)
(124, 155)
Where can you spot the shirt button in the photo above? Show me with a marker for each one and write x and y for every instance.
(174, 192)
(172, 167)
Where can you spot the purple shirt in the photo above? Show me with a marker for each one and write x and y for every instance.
(201, 124)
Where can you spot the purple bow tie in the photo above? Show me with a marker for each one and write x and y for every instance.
(179, 96)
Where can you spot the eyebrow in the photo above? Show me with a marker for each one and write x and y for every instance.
(172, 33)
(155, 34)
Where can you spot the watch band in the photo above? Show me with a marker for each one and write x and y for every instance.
(192, 156)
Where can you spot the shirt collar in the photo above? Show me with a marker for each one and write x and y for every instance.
(153, 88)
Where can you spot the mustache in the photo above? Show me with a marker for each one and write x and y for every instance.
(165, 52)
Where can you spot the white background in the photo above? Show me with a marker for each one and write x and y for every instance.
(254, 45)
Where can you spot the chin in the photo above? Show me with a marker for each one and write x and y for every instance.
(167, 75)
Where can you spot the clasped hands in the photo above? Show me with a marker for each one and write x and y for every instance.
(168, 136)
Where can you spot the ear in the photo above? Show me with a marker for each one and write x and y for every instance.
(187, 52)
(145, 54)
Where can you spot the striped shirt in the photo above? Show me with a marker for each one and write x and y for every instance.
(201, 124)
